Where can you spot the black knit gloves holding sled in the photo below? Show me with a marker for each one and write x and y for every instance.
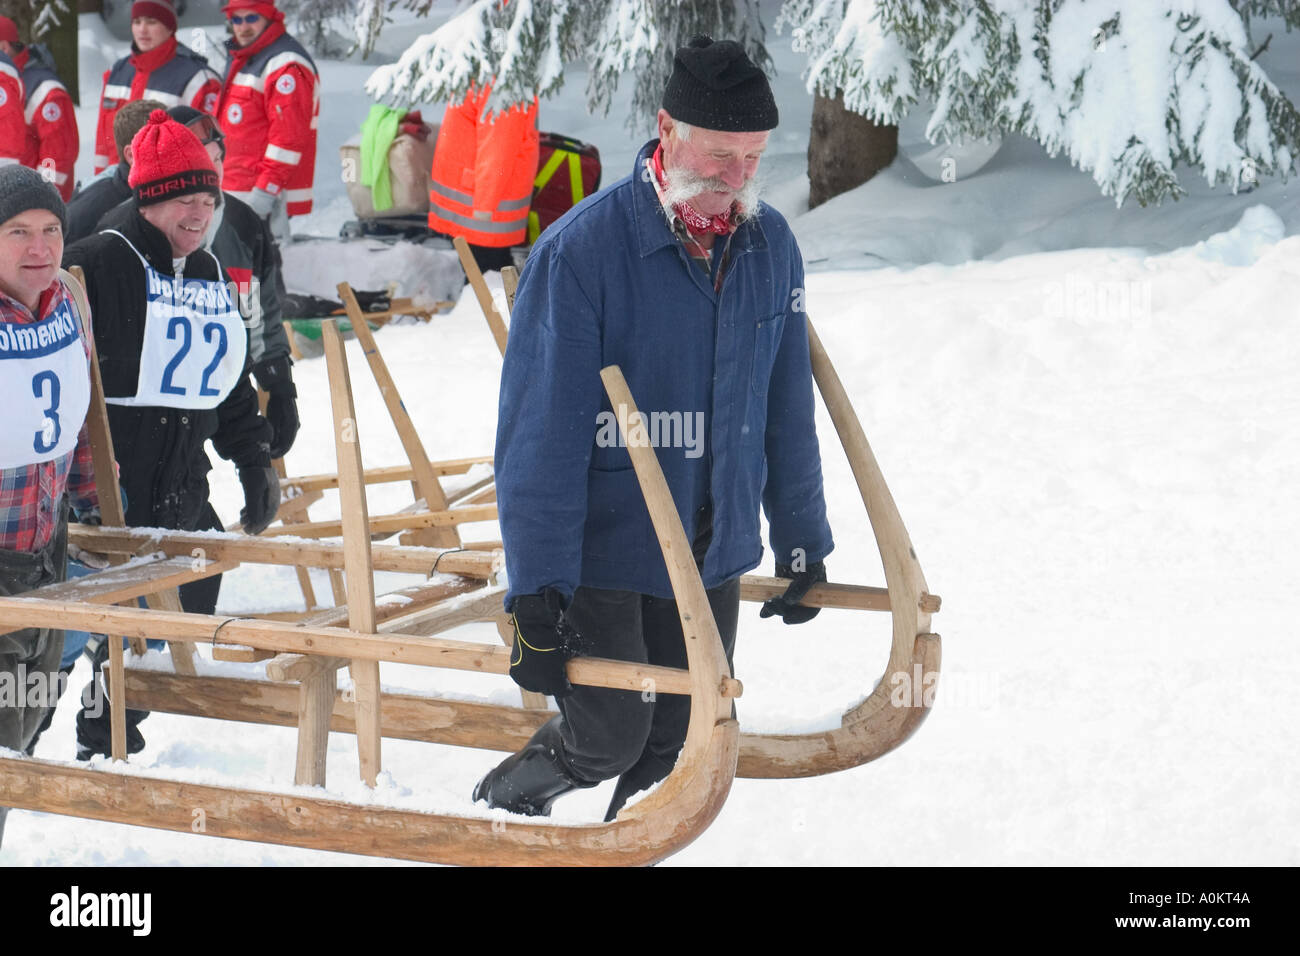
(544, 642)
(261, 498)
(276, 380)
(787, 605)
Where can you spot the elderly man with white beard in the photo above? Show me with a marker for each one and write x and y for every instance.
(679, 275)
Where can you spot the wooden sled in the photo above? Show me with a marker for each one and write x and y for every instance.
(684, 804)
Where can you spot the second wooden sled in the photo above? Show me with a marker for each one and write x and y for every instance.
(665, 821)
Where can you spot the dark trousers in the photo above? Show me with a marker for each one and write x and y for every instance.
(606, 733)
(29, 658)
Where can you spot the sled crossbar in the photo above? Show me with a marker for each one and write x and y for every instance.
(397, 647)
(302, 553)
(385, 475)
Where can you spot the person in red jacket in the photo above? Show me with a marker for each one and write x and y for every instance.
(51, 140)
(159, 68)
(269, 108)
(13, 129)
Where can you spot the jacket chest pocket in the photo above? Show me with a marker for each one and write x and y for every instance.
(239, 107)
(767, 338)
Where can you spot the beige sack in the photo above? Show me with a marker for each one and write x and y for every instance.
(409, 164)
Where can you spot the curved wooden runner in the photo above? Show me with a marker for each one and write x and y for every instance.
(877, 725)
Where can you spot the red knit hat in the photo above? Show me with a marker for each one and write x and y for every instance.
(265, 7)
(160, 10)
(169, 161)
(8, 31)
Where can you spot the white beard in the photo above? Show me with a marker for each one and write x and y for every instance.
(684, 185)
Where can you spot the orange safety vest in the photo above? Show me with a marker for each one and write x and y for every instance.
(483, 170)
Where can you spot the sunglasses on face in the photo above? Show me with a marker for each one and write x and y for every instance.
(207, 132)
(251, 18)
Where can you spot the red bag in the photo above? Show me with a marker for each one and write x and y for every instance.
(567, 172)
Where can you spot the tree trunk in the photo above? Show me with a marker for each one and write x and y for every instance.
(62, 41)
(844, 149)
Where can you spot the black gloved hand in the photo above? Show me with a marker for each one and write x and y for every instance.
(276, 380)
(544, 642)
(261, 498)
(787, 605)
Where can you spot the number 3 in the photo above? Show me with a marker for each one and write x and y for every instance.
(51, 413)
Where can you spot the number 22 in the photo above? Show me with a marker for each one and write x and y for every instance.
(211, 330)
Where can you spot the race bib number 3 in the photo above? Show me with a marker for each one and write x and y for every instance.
(44, 389)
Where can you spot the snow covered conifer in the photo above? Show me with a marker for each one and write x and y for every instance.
(1128, 90)
(522, 47)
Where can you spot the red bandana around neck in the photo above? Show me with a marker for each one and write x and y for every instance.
(697, 224)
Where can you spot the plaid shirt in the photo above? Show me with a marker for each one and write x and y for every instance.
(29, 497)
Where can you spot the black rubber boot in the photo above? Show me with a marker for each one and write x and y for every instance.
(94, 720)
(645, 773)
(530, 781)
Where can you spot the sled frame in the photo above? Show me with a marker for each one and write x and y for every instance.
(668, 819)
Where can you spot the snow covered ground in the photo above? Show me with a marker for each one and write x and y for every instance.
(1090, 420)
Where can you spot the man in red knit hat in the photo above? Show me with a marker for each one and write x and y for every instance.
(270, 105)
(173, 352)
(159, 68)
(51, 138)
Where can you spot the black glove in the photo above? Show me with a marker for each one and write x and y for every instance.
(276, 380)
(544, 642)
(261, 498)
(787, 605)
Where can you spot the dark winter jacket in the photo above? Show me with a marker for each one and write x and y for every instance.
(93, 201)
(609, 283)
(243, 244)
(159, 450)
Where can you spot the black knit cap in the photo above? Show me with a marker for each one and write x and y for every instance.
(717, 86)
(22, 189)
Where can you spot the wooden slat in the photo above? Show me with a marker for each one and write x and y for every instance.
(425, 480)
(857, 597)
(391, 617)
(110, 505)
(415, 598)
(405, 716)
(234, 654)
(261, 550)
(294, 351)
(297, 505)
(472, 489)
(284, 668)
(388, 474)
(315, 703)
(475, 276)
(333, 641)
(356, 550)
(182, 652)
(114, 585)
(510, 282)
(389, 524)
